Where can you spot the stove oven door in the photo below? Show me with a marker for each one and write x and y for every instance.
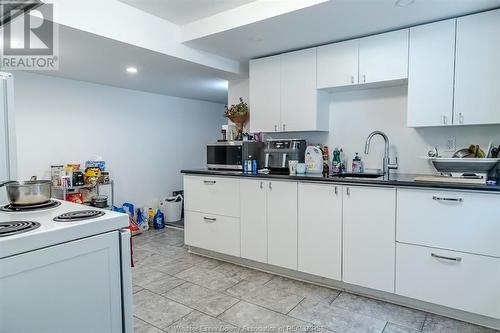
(72, 287)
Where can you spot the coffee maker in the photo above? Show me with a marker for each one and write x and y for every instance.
(279, 151)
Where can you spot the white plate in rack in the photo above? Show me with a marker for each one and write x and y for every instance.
(464, 165)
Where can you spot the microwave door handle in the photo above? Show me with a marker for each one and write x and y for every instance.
(283, 162)
(266, 163)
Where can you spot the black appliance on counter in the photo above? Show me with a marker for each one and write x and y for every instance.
(78, 178)
(230, 155)
(279, 151)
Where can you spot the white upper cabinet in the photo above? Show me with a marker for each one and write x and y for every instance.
(338, 64)
(477, 73)
(431, 74)
(383, 57)
(265, 94)
(369, 242)
(283, 94)
(302, 105)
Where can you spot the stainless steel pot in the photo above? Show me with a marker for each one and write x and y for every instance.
(100, 201)
(30, 192)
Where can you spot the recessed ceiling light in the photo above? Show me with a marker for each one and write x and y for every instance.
(404, 3)
(131, 69)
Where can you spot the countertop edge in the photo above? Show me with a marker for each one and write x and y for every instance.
(399, 180)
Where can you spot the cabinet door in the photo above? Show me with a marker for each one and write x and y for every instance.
(253, 204)
(265, 94)
(454, 279)
(338, 64)
(383, 57)
(477, 72)
(298, 91)
(282, 224)
(320, 230)
(214, 195)
(213, 232)
(431, 73)
(369, 227)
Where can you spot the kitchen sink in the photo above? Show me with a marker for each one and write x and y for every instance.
(357, 175)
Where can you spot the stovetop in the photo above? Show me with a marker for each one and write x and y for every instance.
(30, 208)
(16, 227)
(50, 232)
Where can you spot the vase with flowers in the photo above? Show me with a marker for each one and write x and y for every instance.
(238, 114)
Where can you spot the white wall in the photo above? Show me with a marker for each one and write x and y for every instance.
(356, 113)
(146, 139)
(237, 89)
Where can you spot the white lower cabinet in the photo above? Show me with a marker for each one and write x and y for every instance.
(282, 224)
(369, 224)
(454, 279)
(444, 254)
(253, 203)
(216, 195)
(450, 220)
(213, 232)
(320, 230)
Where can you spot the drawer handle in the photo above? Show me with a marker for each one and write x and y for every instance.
(209, 182)
(437, 256)
(447, 199)
(210, 219)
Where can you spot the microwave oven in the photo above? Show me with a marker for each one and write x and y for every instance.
(230, 155)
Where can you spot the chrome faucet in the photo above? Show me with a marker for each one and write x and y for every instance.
(387, 165)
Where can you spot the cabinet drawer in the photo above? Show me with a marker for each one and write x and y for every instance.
(213, 232)
(469, 283)
(453, 220)
(214, 195)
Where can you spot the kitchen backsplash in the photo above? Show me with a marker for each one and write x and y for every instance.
(354, 114)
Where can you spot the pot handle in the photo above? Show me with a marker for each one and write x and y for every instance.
(7, 182)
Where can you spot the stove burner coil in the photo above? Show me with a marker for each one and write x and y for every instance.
(30, 208)
(79, 215)
(16, 227)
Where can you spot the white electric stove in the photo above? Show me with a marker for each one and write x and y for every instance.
(65, 268)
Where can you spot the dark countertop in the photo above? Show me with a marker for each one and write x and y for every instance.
(396, 179)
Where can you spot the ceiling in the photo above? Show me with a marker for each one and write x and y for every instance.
(328, 22)
(88, 57)
(184, 11)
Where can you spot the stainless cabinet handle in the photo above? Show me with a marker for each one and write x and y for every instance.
(209, 182)
(352, 79)
(447, 199)
(364, 78)
(437, 256)
(283, 126)
(270, 185)
(276, 128)
(348, 191)
(336, 190)
(209, 219)
(460, 118)
(445, 120)
(261, 185)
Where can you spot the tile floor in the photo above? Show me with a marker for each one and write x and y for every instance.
(178, 292)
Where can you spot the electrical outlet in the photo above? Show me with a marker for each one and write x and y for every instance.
(451, 143)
